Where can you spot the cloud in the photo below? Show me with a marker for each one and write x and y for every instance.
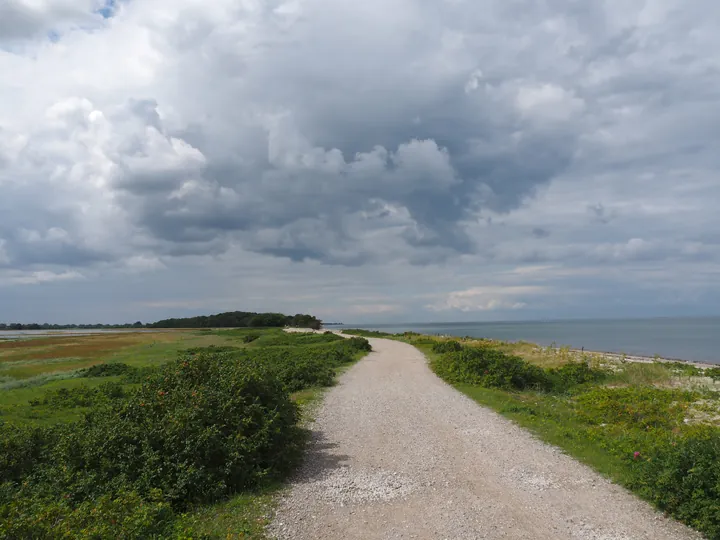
(488, 298)
(29, 18)
(33, 278)
(159, 138)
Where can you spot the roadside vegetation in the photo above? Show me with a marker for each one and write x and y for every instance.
(653, 427)
(175, 435)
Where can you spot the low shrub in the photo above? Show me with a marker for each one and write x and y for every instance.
(358, 344)
(249, 338)
(366, 333)
(211, 349)
(81, 396)
(303, 367)
(634, 406)
(683, 478)
(492, 368)
(713, 373)
(285, 339)
(106, 370)
(574, 374)
(21, 448)
(442, 347)
(487, 366)
(197, 430)
(201, 428)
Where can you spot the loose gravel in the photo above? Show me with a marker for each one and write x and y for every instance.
(397, 453)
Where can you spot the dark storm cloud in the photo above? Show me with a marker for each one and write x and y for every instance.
(358, 134)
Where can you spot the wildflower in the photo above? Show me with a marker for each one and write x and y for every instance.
(636, 455)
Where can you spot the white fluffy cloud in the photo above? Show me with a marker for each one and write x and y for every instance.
(382, 136)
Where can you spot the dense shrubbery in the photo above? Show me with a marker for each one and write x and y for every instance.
(197, 430)
(366, 333)
(211, 349)
(106, 370)
(442, 347)
(357, 344)
(298, 368)
(279, 338)
(573, 374)
(490, 367)
(81, 396)
(683, 478)
(487, 366)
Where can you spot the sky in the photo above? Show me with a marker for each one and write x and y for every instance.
(374, 161)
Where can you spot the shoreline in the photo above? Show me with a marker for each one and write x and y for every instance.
(609, 355)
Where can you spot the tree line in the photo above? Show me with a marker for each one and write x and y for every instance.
(230, 319)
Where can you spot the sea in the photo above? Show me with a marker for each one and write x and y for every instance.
(693, 339)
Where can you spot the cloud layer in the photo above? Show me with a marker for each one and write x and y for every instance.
(456, 139)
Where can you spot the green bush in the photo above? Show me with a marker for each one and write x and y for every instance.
(492, 368)
(635, 406)
(197, 430)
(106, 370)
(365, 333)
(284, 339)
(80, 396)
(573, 374)
(211, 349)
(683, 478)
(713, 373)
(442, 347)
(358, 344)
(201, 428)
(21, 448)
(249, 338)
(487, 366)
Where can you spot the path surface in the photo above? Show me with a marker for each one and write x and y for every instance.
(397, 453)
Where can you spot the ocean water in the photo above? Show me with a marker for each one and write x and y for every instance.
(695, 339)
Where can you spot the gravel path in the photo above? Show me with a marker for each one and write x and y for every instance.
(397, 453)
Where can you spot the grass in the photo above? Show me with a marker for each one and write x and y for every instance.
(29, 368)
(244, 516)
